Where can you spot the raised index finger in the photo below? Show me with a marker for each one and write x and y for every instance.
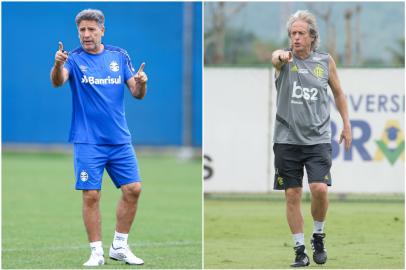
(60, 45)
(141, 68)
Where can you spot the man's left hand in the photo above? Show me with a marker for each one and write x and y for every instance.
(140, 76)
(346, 136)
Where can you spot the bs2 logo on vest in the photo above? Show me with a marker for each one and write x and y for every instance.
(389, 146)
(299, 92)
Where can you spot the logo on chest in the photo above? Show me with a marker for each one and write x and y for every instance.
(299, 92)
(114, 66)
(83, 68)
(318, 71)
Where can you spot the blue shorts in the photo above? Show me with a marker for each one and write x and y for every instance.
(90, 160)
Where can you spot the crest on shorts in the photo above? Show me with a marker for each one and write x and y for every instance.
(280, 181)
(84, 176)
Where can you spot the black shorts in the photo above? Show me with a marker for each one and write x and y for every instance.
(291, 159)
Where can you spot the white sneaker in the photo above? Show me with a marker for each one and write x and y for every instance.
(95, 260)
(124, 254)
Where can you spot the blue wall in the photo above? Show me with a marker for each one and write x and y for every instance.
(35, 112)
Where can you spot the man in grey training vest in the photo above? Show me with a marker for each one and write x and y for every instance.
(302, 135)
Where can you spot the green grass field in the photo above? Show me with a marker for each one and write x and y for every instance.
(41, 213)
(253, 233)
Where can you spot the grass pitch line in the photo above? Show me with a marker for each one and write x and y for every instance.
(138, 245)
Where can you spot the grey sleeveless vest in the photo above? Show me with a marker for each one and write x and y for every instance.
(303, 110)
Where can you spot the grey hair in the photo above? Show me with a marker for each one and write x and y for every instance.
(90, 15)
(310, 19)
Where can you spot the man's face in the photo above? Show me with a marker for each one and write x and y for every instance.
(90, 35)
(299, 35)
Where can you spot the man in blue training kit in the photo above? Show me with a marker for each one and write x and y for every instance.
(97, 74)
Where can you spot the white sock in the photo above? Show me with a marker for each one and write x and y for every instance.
(298, 239)
(96, 247)
(120, 239)
(318, 226)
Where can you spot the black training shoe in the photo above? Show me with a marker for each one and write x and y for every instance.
(301, 258)
(319, 252)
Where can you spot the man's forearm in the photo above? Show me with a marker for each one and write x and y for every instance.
(57, 75)
(140, 90)
(341, 104)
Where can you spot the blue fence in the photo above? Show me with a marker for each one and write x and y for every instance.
(35, 112)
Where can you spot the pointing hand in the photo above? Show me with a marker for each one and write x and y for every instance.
(140, 76)
(286, 57)
(60, 56)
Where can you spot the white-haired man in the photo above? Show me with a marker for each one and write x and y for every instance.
(302, 136)
(97, 74)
